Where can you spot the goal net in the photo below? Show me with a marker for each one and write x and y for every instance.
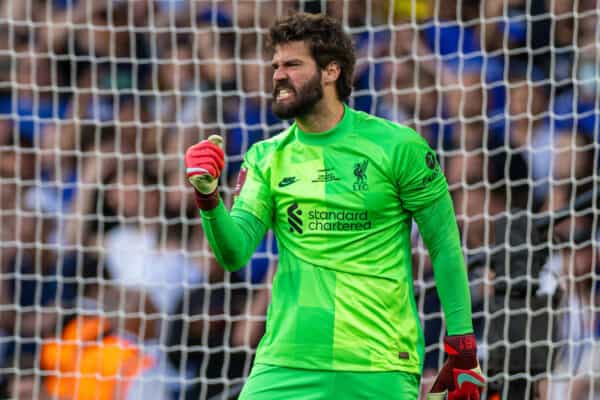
(108, 288)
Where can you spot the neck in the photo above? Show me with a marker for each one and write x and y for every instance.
(324, 116)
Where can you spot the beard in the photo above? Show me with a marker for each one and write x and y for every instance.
(304, 101)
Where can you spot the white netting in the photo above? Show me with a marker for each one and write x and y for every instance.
(101, 250)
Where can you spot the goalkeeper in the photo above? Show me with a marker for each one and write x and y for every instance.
(340, 189)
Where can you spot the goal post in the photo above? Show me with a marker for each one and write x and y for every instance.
(102, 255)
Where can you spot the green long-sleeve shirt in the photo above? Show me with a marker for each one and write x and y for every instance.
(341, 204)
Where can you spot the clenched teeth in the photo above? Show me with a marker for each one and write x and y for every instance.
(284, 94)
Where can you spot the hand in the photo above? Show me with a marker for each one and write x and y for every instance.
(204, 162)
(460, 377)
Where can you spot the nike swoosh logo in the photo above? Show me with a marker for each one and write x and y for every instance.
(287, 181)
(464, 377)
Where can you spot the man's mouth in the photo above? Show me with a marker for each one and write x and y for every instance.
(284, 94)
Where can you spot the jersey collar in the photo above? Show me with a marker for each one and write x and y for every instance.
(322, 138)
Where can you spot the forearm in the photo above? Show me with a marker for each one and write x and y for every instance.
(437, 224)
(232, 238)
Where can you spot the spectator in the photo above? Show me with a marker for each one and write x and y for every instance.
(248, 331)
(24, 381)
(576, 108)
(371, 45)
(525, 25)
(122, 57)
(529, 139)
(478, 206)
(397, 101)
(178, 89)
(578, 361)
(471, 80)
(16, 175)
(250, 115)
(98, 161)
(539, 33)
(521, 324)
(92, 360)
(572, 163)
(34, 102)
(182, 251)
(134, 257)
(207, 315)
(213, 48)
(43, 283)
(205, 96)
(250, 15)
(57, 173)
(475, 204)
(406, 73)
(533, 302)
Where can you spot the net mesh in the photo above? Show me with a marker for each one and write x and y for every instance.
(108, 286)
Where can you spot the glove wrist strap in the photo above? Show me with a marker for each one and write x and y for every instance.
(462, 349)
(207, 202)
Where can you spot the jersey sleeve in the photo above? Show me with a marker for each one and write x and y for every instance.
(253, 191)
(233, 238)
(419, 176)
(439, 231)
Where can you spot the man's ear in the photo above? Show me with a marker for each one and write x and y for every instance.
(332, 72)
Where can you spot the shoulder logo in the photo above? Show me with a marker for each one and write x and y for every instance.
(432, 164)
(360, 172)
(287, 181)
(430, 160)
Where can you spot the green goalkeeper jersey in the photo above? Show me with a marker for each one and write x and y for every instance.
(340, 204)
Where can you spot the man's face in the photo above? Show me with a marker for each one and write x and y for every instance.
(297, 86)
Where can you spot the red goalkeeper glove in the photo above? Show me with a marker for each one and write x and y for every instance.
(204, 162)
(460, 377)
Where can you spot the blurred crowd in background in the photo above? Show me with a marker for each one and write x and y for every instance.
(100, 242)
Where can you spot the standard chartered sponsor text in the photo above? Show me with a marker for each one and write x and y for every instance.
(340, 220)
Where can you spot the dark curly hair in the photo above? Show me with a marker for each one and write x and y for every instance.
(326, 40)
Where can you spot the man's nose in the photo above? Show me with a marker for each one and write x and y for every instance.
(279, 74)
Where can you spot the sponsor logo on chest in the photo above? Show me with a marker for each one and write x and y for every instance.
(316, 219)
